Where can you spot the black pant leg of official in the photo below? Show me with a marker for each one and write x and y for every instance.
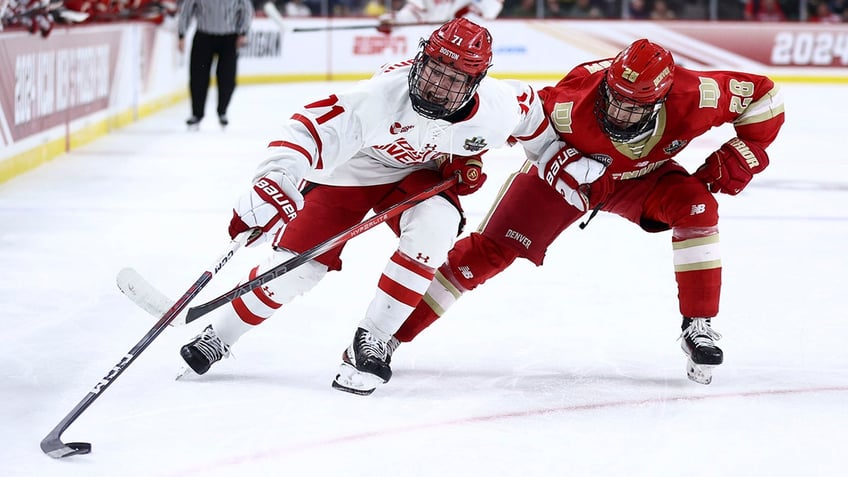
(226, 71)
(200, 66)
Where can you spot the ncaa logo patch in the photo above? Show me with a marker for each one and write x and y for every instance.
(474, 144)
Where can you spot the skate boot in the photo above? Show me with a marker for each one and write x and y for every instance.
(222, 118)
(204, 350)
(698, 342)
(365, 364)
(193, 123)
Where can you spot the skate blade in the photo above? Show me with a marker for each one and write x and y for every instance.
(351, 380)
(184, 372)
(699, 373)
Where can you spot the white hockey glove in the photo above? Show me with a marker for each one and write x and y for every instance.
(580, 180)
(273, 202)
(387, 20)
(486, 9)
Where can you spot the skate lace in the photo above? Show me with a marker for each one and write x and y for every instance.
(370, 345)
(391, 346)
(700, 333)
(211, 347)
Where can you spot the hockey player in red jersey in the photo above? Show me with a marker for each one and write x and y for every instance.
(633, 113)
(385, 140)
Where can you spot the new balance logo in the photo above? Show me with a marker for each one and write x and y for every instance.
(466, 272)
(698, 209)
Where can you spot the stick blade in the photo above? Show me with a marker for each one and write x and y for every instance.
(55, 448)
(142, 293)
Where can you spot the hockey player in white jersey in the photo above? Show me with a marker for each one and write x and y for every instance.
(429, 11)
(390, 137)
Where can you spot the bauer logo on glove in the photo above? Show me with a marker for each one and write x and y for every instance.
(272, 202)
(273, 195)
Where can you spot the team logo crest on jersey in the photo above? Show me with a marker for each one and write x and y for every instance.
(474, 144)
(675, 146)
(397, 128)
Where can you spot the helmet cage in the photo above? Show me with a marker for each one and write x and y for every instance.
(621, 118)
(436, 89)
(633, 90)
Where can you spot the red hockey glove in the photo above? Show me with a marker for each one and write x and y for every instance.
(580, 180)
(273, 202)
(732, 166)
(468, 168)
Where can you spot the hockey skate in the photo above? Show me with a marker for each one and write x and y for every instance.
(698, 342)
(193, 123)
(365, 364)
(203, 351)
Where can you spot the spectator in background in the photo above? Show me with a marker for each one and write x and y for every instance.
(430, 11)
(556, 8)
(584, 9)
(764, 11)
(694, 10)
(297, 8)
(823, 13)
(222, 27)
(520, 9)
(374, 8)
(638, 10)
(661, 11)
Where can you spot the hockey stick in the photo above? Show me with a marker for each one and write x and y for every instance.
(362, 27)
(52, 444)
(329, 244)
(273, 14)
(143, 294)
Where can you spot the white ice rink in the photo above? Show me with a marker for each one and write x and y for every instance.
(571, 369)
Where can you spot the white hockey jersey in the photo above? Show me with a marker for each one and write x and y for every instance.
(371, 135)
(421, 11)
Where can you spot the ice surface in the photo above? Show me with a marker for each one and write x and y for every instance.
(568, 369)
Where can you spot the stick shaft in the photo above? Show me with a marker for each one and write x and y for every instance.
(331, 243)
(52, 444)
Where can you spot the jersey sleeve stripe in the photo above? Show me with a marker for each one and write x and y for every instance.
(314, 133)
(538, 132)
(297, 148)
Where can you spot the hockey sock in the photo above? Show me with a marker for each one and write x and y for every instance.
(471, 262)
(697, 269)
(399, 290)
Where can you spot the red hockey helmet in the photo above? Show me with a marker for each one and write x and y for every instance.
(449, 67)
(633, 90)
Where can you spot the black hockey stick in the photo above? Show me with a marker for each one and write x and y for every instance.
(52, 444)
(196, 312)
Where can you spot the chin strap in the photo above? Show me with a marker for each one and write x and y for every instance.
(595, 211)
